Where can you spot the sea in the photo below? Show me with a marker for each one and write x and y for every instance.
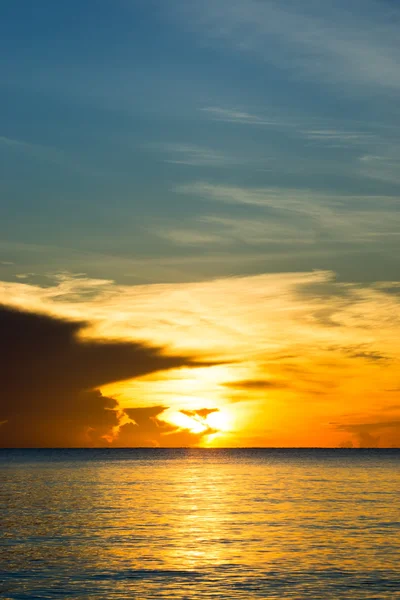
(200, 524)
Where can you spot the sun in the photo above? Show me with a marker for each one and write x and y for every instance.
(185, 421)
(220, 420)
(198, 421)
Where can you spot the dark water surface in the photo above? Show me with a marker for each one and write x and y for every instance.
(197, 524)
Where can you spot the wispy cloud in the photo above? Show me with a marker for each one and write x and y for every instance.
(365, 149)
(194, 156)
(45, 154)
(163, 267)
(186, 236)
(330, 43)
(351, 217)
(223, 230)
(236, 116)
(339, 138)
(385, 166)
(34, 150)
(328, 132)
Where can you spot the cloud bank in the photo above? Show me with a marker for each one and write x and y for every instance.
(50, 379)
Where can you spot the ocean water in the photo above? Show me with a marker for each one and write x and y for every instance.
(201, 523)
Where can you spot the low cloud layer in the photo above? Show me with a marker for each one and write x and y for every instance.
(374, 435)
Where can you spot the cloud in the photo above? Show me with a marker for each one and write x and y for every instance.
(148, 429)
(201, 412)
(340, 138)
(374, 356)
(256, 384)
(33, 150)
(378, 434)
(168, 268)
(194, 156)
(228, 115)
(306, 145)
(327, 131)
(317, 41)
(319, 216)
(44, 154)
(381, 161)
(189, 236)
(227, 231)
(50, 377)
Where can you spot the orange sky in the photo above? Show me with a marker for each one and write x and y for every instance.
(301, 359)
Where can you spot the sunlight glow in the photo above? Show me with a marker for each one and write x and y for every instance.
(185, 422)
(220, 420)
(275, 347)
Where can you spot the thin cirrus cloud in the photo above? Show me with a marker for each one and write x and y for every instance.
(369, 148)
(351, 217)
(383, 167)
(326, 131)
(356, 45)
(222, 232)
(193, 155)
(236, 116)
(365, 149)
(33, 151)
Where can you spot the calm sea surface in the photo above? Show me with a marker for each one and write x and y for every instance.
(195, 524)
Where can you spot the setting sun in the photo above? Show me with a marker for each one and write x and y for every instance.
(186, 422)
(220, 420)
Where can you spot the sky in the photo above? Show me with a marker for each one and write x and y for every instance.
(200, 230)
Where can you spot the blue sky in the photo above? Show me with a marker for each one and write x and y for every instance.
(181, 140)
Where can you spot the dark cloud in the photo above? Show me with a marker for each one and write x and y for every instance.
(373, 356)
(255, 384)
(201, 412)
(346, 444)
(357, 351)
(145, 414)
(50, 378)
(381, 434)
(149, 430)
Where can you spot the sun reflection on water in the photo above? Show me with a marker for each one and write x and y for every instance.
(200, 524)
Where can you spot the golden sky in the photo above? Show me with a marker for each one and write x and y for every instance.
(288, 359)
